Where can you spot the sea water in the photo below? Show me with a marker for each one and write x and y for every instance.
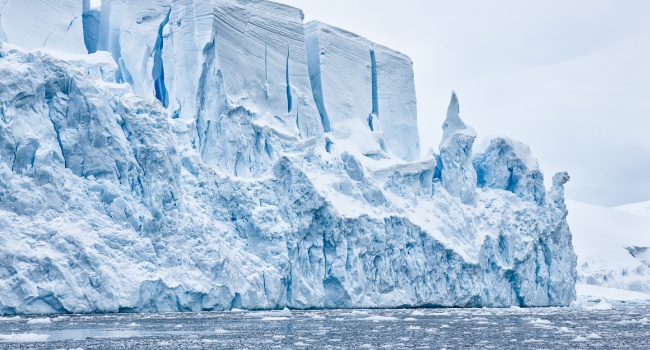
(621, 327)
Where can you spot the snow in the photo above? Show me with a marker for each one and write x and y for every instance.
(592, 292)
(7, 319)
(185, 167)
(45, 320)
(612, 247)
(274, 318)
(23, 338)
(641, 209)
(378, 318)
(277, 313)
(540, 321)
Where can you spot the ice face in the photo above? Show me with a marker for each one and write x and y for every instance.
(185, 166)
(458, 174)
(3, 36)
(359, 85)
(509, 165)
(43, 24)
(222, 67)
(256, 69)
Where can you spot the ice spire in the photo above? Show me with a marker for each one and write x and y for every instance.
(453, 124)
(458, 173)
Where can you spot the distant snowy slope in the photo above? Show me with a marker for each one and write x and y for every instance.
(640, 209)
(613, 247)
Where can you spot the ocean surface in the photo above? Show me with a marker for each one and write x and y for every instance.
(621, 327)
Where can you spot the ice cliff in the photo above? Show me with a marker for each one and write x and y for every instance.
(209, 155)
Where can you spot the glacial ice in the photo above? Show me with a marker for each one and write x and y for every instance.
(43, 24)
(376, 88)
(458, 173)
(509, 165)
(200, 160)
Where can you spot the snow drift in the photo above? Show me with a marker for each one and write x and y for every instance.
(221, 154)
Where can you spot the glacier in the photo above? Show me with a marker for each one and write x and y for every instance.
(186, 155)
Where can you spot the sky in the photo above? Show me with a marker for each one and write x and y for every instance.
(569, 78)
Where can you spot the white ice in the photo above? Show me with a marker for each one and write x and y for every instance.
(187, 165)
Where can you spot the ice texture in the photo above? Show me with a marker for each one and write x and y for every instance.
(458, 173)
(185, 166)
(359, 85)
(43, 24)
(509, 165)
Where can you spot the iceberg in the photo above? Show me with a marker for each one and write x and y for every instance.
(213, 155)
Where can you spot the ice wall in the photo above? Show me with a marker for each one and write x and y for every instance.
(221, 66)
(364, 91)
(3, 36)
(186, 166)
(44, 24)
(253, 76)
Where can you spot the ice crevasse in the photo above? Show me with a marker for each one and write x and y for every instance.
(209, 155)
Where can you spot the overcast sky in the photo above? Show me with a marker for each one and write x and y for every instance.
(570, 78)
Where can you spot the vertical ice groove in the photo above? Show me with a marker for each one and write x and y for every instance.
(158, 72)
(266, 74)
(3, 36)
(375, 97)
(289, 101)
(300, 100)
(203, 125)
(314, 67)
(91, 26)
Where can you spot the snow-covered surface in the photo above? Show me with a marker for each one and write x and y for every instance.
(194, 172)
(591, 292)
(613, 247)
(641, 209)
(23, 338)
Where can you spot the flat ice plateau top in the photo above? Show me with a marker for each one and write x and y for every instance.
(209, 155)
